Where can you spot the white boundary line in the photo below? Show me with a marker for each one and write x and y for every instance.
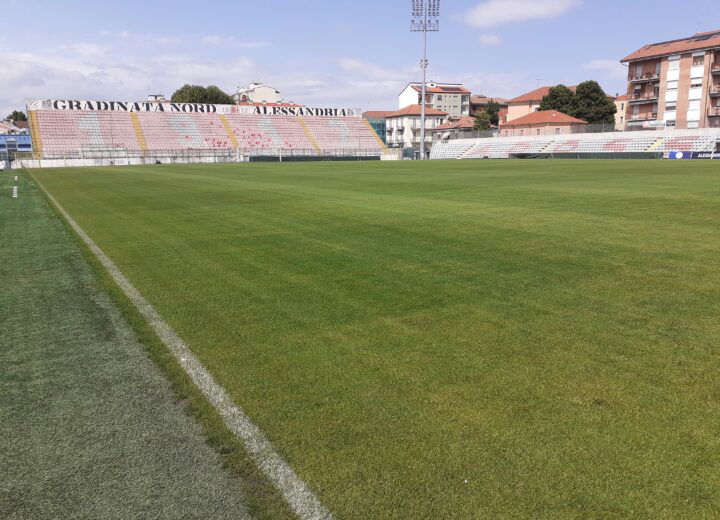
(296, 492)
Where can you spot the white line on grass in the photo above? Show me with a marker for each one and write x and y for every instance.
(296, 492)
(14, 192)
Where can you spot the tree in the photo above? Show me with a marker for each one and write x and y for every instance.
(215, 96)
(17, 115)
(593, 105)
(493, 109)
(482, 121)
(559, 98)
(198, 94)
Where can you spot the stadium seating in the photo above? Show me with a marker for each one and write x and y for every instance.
(696, 140)
(65, 132)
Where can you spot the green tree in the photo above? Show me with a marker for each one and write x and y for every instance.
(493, 109)
(17, 115)
(199, 94)
(559, 98)
(593, 105)
(482, 121)
(215, 96)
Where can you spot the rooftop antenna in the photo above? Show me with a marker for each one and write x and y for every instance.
(425, 18)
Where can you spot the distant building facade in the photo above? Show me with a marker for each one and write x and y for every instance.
(527, 103)
(376, 118)
(621, 108)
(451, 98)
(546, 122)
(479, 103)
(456, 128)
(675, 84)
(256, 92)
(403, 126)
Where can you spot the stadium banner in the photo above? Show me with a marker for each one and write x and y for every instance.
(187, 108)
(691, 155)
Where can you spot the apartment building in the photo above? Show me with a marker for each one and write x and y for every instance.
(675, 84)
(452, 98)
(620, 111)
(403, 126)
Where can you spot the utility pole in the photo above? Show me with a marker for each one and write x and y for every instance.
(425, 19)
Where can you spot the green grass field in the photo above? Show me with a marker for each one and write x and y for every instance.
(445, 339)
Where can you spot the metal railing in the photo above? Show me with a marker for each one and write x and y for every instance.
(648, 96)
(642, 117)
(570, 129)
(714, 111)
(648, 76)
(200, 155)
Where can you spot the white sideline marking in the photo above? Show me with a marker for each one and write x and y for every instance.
(16, 177)
(14, 192)
(296, 492)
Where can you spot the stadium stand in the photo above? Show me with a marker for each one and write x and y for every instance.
(67, 133)
(665, 141)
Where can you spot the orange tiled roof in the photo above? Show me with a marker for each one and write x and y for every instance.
(545, 117)
(696, 42)
(535, 95)
(461, 122)
(376, 114)
(414, 110)
(453, 89)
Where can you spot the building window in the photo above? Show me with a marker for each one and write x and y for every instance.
(696, 83)
(698, 60)
(670, 106)
(557, 131)
(672, 85)
(693, 124)
(538, 131)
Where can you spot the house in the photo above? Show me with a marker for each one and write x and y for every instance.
(545, 122)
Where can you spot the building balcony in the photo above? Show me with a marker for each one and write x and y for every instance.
(643, 98)
(714, 112)
(714, 90)
(647, 116)
(715, 69)
(648, 76)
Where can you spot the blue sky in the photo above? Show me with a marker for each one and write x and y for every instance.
(341, 53)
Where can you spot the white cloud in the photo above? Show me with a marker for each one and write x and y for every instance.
(490, 39)
(231, 41)
(611, 68)
(496, 12)
(76, 71)
(143, 38)
(372, 71)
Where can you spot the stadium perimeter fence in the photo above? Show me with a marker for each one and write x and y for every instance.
(125, 157)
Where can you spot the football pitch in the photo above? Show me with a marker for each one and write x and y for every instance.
(489, 339)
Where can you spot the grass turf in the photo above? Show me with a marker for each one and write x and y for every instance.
(88, 426)
(445, 339)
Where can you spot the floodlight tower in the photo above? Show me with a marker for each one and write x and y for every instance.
(425, 19)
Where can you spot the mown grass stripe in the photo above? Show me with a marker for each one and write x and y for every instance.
(301, 499)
